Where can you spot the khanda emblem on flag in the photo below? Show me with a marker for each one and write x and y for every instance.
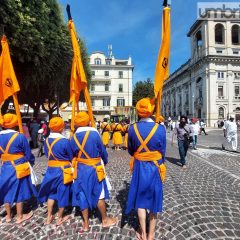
(165, 62)
(9, 82)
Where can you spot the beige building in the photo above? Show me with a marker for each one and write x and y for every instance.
(207, 86)
(111, 85)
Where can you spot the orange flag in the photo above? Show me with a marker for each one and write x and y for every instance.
(8, 81)
(78, 81)
(78, 77)
(162, 67)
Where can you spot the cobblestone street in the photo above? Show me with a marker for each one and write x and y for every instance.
(201, 202)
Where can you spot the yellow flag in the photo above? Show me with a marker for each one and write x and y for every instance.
(162, 67)
(8, 81)
(78, 78)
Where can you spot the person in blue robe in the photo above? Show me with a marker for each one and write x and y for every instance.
(89, 188)
(146, 188)
(58, 151)
(15, 154)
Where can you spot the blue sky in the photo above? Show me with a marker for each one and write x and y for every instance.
(133, 27)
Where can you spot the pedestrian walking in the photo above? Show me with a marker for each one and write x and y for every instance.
(202, 127)
(40, 142)
(57, 183)
(195, 131)
(125, 130)
(230, 134)
(89, 187)
(183, 132)
(34, 127)
(15, 181)
(106, 128)
(147, 146)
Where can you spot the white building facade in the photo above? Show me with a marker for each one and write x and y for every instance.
(111, 84)
(207, 86)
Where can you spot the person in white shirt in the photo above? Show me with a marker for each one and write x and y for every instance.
(230, 134)
(196, 130)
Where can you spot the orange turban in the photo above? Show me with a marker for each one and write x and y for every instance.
(82, 119)
(145, 107)
(56, 124)
(10, 120)
(161, 119)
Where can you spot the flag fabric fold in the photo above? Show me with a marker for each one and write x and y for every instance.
(162, 66)
(78, 81)
(8, 80)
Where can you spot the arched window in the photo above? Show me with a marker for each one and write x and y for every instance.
(219, 33)
(97, 61)
(235, 34)
(199, 38)
(221, 113)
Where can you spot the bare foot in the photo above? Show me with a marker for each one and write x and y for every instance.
(86, 226)
(24, 217)
(60, 221)
(109, 222)
(8, 219)
(49, 220)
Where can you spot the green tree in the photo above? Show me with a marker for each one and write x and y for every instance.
(41, 51)
(142, 89)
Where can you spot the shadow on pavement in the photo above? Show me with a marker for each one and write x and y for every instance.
(174, 161)
(130, 219)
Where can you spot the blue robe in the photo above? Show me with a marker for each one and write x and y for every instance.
(52, 186)
(146, 189)
(13, 189)
(86, 188)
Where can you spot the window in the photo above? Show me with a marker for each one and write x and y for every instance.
(106, 102)
(235, 52)
(221, 113)
(200, 93)
(106, 87)
(93, 102)
(219, 51)
(120, 87)
(220, 91)
(219, 33)
(199, 38)
(106, 73)
(108, 62)
(220, 75)
(92, 87)
(121, 102)
(120, 74)
(236, 90)
(235, 35)
(97, 61)
(93, 73)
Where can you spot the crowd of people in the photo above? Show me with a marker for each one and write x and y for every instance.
(76, 173)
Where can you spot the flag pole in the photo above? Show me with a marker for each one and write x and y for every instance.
(73, 115)
(17, 109)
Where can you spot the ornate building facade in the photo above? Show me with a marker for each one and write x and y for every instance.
(207, 86)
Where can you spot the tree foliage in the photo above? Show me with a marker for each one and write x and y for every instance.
(41, 49)
(143, 89)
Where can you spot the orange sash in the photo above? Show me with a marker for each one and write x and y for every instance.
(148, 155)
(87, 161)
(23, 169)
(67, 172)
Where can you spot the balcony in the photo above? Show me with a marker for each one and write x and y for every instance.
(237, 97)
(221, 97)
(101, 78)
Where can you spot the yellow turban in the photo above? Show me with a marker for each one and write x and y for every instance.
(145, 107)
(82, 119)
(56, 124)
(10, 120)
(161, 119)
